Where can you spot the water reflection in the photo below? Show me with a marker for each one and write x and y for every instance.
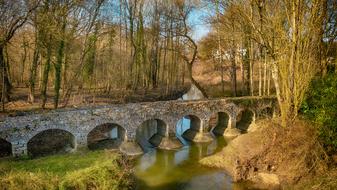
(179, 169)
(183, 125)
(150, 133)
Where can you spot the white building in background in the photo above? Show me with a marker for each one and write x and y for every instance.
(226, 55)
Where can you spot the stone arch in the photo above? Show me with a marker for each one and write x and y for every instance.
(51, 141)
(219, 122)
(38, 130)
(188, 126)
(5, 148)
(244, 118)
(106, 136)
(265, 112)
(150, 133)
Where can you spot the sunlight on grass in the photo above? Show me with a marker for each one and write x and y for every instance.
(84, 170)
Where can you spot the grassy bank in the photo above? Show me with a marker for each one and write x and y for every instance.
(83, 170)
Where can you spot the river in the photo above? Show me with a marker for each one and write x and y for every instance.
(180, 169)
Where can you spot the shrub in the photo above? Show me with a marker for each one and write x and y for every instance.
(320, 106)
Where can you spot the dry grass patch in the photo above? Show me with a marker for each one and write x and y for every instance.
(291, 153)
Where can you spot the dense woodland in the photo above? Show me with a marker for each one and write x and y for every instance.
(96, 45)
(269, 47)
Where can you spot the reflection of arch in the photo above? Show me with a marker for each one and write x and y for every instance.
(188, 122)
(188, 126)
(150, 133)
(5, 148)
(51, 141)
(244, 119)
(106, 136)
(219, 123)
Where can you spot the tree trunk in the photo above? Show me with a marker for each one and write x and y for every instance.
(251, 52)
(65, 70)
(276, 79)
(219, 46)
(46, 75)
(23, 61)
(233, 71)
(33, 72)
(6, 86)
(58, 67)
(260, 6)
(251, 64)
(193, 81)
(260, 73)
(294, 53)
(268, 81)
(265, 74)
(242, 69)
(3, 85)
(190, 71)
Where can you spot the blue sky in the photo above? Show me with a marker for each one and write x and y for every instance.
(196, 19)
(198, 23)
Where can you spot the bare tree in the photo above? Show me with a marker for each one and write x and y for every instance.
(14, 14)
(185, 8)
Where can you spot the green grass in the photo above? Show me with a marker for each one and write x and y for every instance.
(56, 164)
(83, 170)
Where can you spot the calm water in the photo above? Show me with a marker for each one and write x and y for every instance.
(180, 170)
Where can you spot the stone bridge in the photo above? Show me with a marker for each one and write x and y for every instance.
(18, 131)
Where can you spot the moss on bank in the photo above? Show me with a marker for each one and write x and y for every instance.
(85, 170)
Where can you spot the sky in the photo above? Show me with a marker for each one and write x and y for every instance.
(197, 19)
(199, 26)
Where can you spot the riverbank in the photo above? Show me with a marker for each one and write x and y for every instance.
(83, 170)
(272, 157)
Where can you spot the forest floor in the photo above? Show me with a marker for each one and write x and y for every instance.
(210, 79)
(19, 97)
(274, 157)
